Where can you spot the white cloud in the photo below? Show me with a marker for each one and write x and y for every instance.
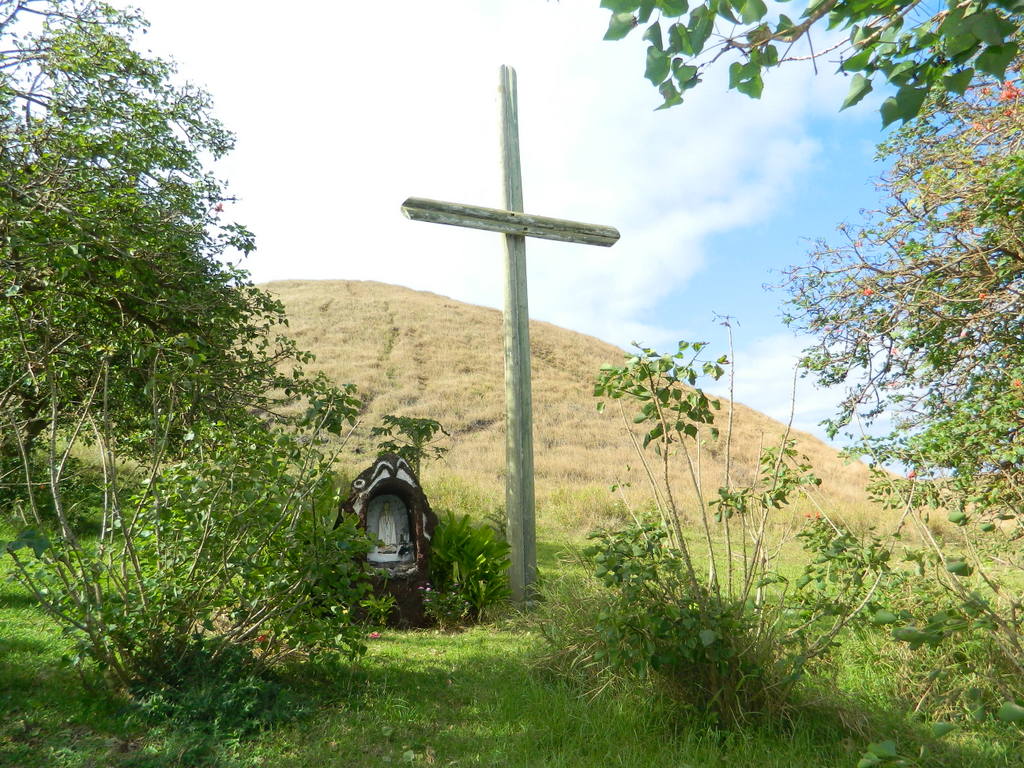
(764, 369)
(342, 114)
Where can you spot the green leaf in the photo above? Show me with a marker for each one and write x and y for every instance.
(657, 65)
(996, 58)
(1010, 712)
(859, 88)
(673, 7)
(960, 46)
(882, 616)
(752, 87)
(645, 10)
(620, 6)
(889, 111)
(653, 36)
(857, 62)
(670, 94)
(679, 40)
(941, 729)
(752, 10)
(34, 540)
(959, 568)
(723, 8)
(911, 635)
(708, 636)
(702, 21)
(905, 105)
(621, 24)
(683, 73)
(883, 749)
(957, 83)
(957, 517)
(985, 26)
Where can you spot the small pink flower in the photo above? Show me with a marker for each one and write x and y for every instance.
(911, 474)
(374, 635)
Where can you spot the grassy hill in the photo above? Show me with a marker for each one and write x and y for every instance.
(413, 353)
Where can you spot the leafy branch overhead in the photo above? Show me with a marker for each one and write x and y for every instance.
(905, 43)
(411, 438)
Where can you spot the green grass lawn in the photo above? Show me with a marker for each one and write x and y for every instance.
(421, 697)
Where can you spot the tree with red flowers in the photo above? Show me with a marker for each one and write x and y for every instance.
(919, 312)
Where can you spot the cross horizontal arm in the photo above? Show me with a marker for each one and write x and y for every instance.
(509, 222)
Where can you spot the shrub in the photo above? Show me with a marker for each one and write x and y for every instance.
(717, 621)
(217, 690)
(412, 438)
(471, 560)
(916, 311)
(233, 542)
(447, 609)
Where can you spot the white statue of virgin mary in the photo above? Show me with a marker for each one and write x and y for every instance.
(387, 528)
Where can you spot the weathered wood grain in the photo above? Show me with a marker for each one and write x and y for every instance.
(508, 222)
(519, 486)
(516, 226)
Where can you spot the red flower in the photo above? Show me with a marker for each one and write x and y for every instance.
(374, 635)
(911, 474)
(982, 295)
(262, 639)
(1017, 383)
(1009, 92)
(867, 291)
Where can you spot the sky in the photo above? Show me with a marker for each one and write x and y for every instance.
(341, 114)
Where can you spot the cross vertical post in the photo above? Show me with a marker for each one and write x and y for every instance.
(515, 226)
(519, 489)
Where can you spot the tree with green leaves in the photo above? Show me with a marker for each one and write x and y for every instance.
(126, 338)
(910, 45)
(411, 438)
(918, 309)
(112, 236)
(918, 312)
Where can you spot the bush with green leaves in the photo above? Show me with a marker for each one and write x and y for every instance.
(411, 438)
(216, 690)
(234, 541)
(469, 559)
(448, 610)
(125, 337)
(716, 620)
(916, 310)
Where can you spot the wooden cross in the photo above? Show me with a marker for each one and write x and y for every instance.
(516, 226)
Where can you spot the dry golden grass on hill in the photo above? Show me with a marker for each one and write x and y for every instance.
(413, 353)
